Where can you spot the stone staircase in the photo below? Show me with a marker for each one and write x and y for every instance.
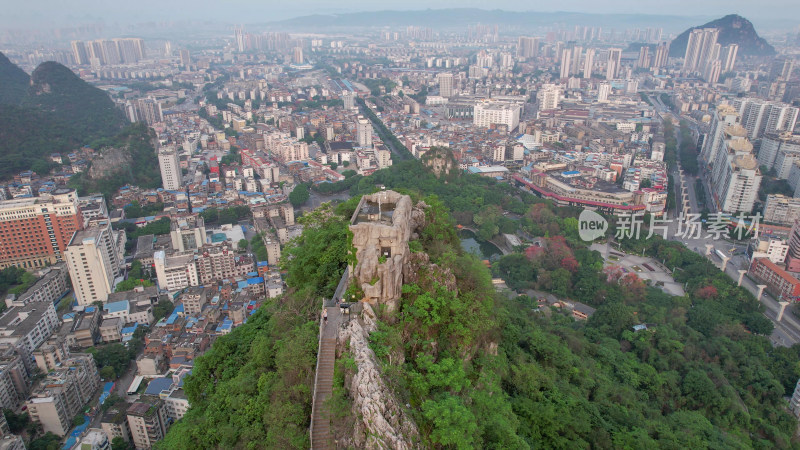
(321, 436)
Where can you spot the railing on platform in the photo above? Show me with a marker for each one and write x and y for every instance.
(316, 376)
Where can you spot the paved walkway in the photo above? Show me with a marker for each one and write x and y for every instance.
(321, 437)
(657, 273)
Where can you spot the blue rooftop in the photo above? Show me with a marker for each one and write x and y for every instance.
(157, 385)
(115, 307)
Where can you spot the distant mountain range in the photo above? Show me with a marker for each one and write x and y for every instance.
(460, 17)
(733, 29)
(52, 110)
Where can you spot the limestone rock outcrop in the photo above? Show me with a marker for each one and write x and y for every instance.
(382, 227)
(382, 423)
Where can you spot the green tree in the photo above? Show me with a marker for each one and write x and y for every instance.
(299, 195)
(131, 283)
(16, 422)
(118, 443)
(243, 244)
(49, 441)
(78, 420)
(108, 373)
(454, 425)
(163, 309)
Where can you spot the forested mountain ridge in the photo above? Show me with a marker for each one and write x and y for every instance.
(53, 110)
(733, 29)
(14, 82)
(481, 370)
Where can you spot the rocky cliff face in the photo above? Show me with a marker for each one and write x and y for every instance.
(381, 276)
(441, 161)
(382, 423)
(110, 161)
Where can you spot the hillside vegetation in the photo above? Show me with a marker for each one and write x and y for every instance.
(131, 160)
(53, 110)
(483, 370)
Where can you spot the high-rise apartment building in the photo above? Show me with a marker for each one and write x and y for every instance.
(80, 53)
(548, 97)
(566, 62)
(613, 63)
(588, 63)
(186, 58)
(147, 110)
(793, 256)
(109, 52)
(762, 117)
(700, 49)
(712, 71)
(725, 116)
(364, 132)
(297, 55)
(781, 210)
(170, 165)
(147, 420)
(779, 152)
(488, 114)
(14, 376)
(349, 100)
(661, 55)
(187, 232)
(736, 177)
(217, 262)
(445, 84)
(175, 272)
(238, 33)
(35, 231)
(64, 393)
(644, 58)
(728, 57)
(603, 91)
(528, 47)
(94, 264)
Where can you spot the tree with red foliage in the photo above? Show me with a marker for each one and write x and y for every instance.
(557, 251)
(613, 273)
(570, 264)
(634, 287)
(706, 292)
(534, 252)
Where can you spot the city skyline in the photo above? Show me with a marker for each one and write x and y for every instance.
(50, 12)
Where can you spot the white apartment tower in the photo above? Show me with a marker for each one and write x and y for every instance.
(488, 114)
(762, 117)
(349, 100)
(364, 132)
(445, 84)
(566, 61)
(613, 63)
(548, 97)
(603, 91)
(588, 63)
(93, 264)
(170, 167)
(725, 116)
(700, 49)
(661, 56)
(736, 177)
(728, 57)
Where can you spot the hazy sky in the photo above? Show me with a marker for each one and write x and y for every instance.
(16, 14)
